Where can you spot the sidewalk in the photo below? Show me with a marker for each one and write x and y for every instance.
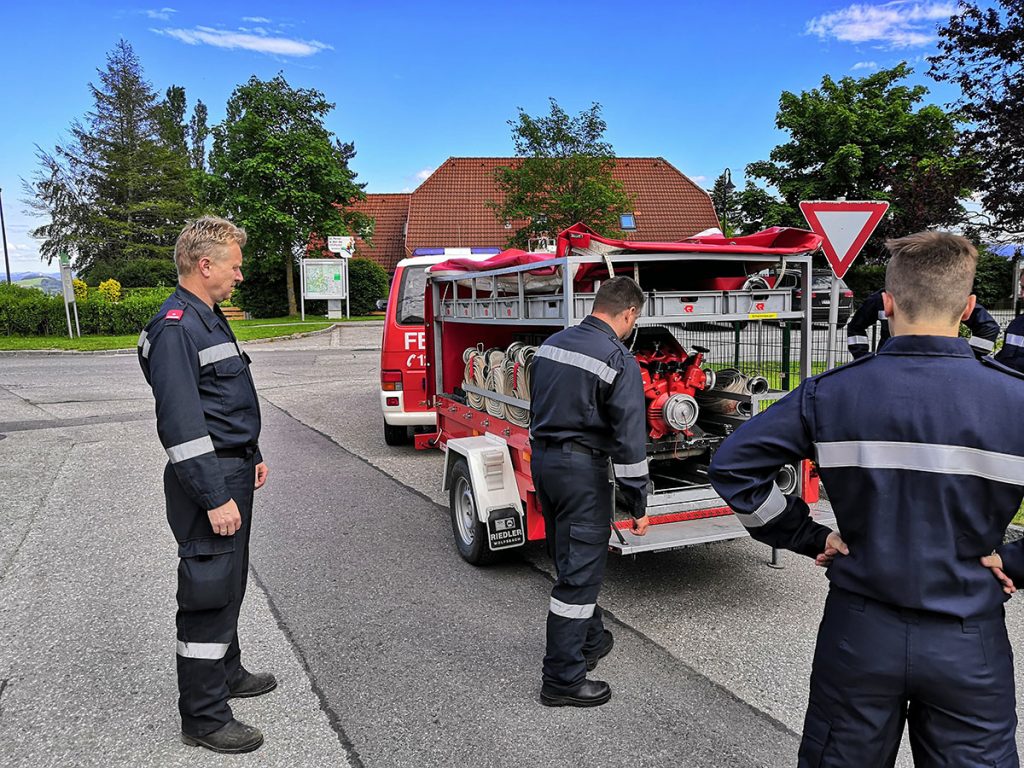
(87, 632)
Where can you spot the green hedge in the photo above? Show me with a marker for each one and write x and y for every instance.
(136, 273)
(29, 312)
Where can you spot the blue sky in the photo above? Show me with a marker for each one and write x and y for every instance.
(697, 83)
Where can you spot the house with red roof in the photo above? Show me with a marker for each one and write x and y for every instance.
(449, 208)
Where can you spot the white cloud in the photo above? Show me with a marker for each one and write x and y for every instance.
(164, 14)
(232, 39)
(424, 174)
(865, 65)
(698, 179)
(900, 24)
(256, 19)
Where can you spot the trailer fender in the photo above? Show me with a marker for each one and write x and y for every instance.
(490, 468)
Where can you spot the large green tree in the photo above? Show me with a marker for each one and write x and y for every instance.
(119, 188)
(727, 203)
(564, 176)
(871, 139)
(281, 174)
(982, 50)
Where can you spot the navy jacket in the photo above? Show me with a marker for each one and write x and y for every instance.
(205, 397)
(585, 387)
(984, 328)
(1012, 351)
(921, 489)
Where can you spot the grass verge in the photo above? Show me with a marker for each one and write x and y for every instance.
(245, 330)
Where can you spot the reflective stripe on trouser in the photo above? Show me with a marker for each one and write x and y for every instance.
(877, 667)
(575, 496)
(212, 575)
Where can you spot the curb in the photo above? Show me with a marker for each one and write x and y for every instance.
(132, 350)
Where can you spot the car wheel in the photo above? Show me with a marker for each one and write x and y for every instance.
(470, 533)
(395, 435)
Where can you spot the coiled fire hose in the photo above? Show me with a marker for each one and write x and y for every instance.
(474, 374)
(504, 372)
(736, 382)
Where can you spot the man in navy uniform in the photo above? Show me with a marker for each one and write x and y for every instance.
(588, 409)
(208, 420)
(983, 327)
(1012, 351)
(923, 482)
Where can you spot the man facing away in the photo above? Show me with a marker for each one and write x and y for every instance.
(588, 408)
(924, 473)
(208, 420)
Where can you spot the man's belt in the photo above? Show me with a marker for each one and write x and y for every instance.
(245, 452)
(573, 446)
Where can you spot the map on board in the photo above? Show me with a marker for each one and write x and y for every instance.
(325, 278)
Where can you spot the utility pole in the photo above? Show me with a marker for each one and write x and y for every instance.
(3, 233)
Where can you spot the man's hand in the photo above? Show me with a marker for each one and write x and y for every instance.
(640, 525)
(262, 470)
(834, 545)
(995, 564)
(225, 519)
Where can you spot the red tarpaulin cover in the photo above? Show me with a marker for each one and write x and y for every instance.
(776, 241)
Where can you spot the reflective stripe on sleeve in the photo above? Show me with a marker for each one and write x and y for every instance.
(597, 367)
(191, 449)
(1014, 340)
(852, 340)
(771, 508)
(211, 651)
(639, 469)
(983, 344)
(217, 352)
(923, 457)
(144, 343)
(570, 611)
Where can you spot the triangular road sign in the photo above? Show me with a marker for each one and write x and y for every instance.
(845, 227)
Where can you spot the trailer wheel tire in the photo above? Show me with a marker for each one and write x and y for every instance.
(395, 435)
(470, 533)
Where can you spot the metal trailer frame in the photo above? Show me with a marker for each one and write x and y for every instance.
(721, 524)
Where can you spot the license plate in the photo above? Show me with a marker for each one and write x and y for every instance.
(505, 529)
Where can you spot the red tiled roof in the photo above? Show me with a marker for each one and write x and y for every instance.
(389, 211)
(448, 209)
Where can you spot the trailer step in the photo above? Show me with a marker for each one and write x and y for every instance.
(686, 533)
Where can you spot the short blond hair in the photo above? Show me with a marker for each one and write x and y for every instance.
(206, 236)
(930, 274)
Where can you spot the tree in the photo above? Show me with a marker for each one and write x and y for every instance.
(115, 190)
(280, 174)
(198, 132)
(871, 139)
(565, 176)
(981, 53)
(726, 202)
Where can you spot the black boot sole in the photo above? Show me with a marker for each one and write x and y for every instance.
(250, 694)
(572, 701)
(197, 741)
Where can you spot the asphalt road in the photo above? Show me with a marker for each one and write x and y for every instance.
(391, 650)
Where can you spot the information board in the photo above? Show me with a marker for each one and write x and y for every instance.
(325, 279)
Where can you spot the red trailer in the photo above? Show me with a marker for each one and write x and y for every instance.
(714, 347)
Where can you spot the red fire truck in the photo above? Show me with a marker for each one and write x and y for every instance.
(714, 348)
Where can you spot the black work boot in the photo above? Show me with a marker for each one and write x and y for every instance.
(231, 738)
(589, 693)
(252, 685)
(607, 643)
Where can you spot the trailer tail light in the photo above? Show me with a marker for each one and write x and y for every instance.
(391, 401)
(847, 294)
(799, 294)
(391, 381)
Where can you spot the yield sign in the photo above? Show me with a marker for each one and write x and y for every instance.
(845, 227)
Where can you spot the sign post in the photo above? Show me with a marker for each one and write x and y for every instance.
(342, 246)
(845, 227)
(68, 289)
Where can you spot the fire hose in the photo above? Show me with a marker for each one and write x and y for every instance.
(504, 372)
(735, 382)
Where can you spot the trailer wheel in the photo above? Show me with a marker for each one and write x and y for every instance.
(395, 435)
(470, 533)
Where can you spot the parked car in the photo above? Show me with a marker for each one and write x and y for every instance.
(821, 288)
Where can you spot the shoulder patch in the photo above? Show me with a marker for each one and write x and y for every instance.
(174, 314)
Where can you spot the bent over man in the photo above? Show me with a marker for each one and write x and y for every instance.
(208, 420)
(913, 629)
(588, 409)
(983, 327)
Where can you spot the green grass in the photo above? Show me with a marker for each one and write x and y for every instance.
(245, 330)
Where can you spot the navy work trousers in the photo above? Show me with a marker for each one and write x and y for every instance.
(212, 575)
(575, 494)
(877, 667)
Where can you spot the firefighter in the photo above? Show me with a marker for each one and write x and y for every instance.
(1012, 351)
(588, 410)
(913, 627)
(208, 420)
(984, 328)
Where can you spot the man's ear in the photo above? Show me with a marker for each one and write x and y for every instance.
(887, 303)
(972, 302)
(204, 266)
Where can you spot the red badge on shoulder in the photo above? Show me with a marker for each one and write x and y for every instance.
(174, 314)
